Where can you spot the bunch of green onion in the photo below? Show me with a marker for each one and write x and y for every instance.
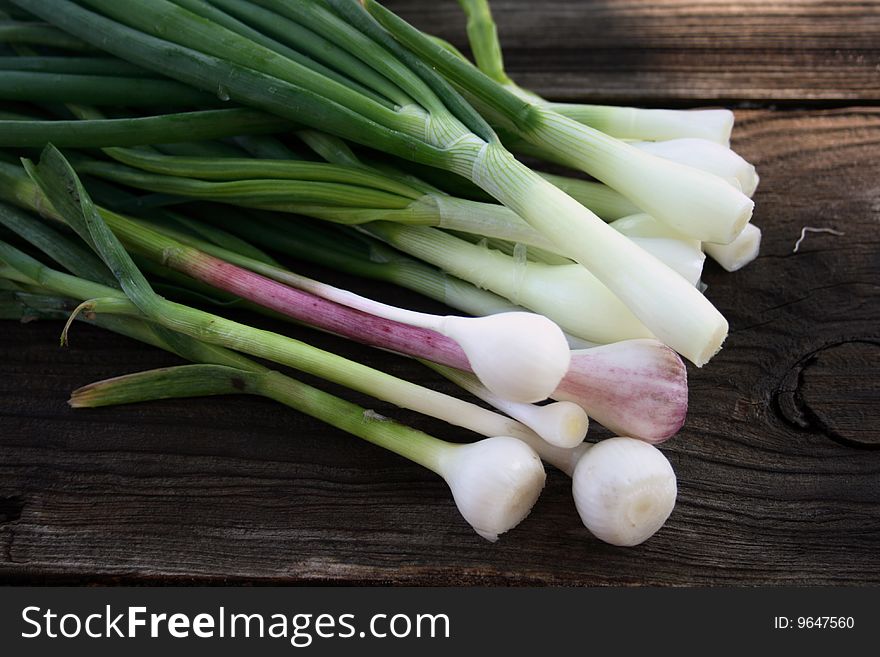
(332, 131)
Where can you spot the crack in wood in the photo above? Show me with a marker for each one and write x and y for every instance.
(794, 406)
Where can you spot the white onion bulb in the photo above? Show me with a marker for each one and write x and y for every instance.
(624, 490)
(495, 483)
(519, 356)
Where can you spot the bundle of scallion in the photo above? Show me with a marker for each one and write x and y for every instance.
(494, 481)
(670, 190)
(385, 97)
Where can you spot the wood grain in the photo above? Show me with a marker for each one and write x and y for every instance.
(779, 481)
(652, 52)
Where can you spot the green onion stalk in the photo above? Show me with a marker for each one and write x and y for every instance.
(494, 481)
(77, 65)
(35, 87)
(33, 33)
(426, 121)
(161, 128)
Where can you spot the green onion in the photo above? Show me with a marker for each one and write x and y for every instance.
(624, 489)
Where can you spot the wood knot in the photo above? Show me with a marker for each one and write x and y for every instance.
(834, 390)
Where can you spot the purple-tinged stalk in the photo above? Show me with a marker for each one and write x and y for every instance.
(520, 356)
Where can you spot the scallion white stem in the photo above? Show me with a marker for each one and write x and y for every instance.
(739, 252)
(693, 201)
(652, 124)
(731, 256)
(706, 155)
(680, 253)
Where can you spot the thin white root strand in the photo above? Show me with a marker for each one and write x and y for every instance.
(811, 229)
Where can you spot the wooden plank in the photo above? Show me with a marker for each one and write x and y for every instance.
(772, 486)
(681, 51)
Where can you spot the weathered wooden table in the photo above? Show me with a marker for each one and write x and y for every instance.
(778, 469)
